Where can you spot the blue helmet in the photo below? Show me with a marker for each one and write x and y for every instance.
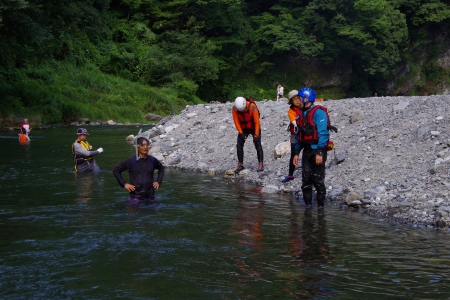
(307, 93)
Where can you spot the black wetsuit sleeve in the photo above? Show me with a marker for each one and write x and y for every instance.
(159, 166)
(123, 166)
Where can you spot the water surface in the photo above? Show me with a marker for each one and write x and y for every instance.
(64, 236)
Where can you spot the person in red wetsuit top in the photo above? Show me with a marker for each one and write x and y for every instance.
(246, 119)
(141, 168)
(25, 127)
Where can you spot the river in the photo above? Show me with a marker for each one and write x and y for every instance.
(64, 236)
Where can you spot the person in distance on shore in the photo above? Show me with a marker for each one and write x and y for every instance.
(141, 168)
(246, 119)
(83, 155)
(280, 92)
(312, 138)
(296, 105)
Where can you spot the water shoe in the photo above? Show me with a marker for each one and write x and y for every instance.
(260, 167)
(239, 168)
(287, 178)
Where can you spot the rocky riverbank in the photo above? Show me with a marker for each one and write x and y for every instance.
(391, 159)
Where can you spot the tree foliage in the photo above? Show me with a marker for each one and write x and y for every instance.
(204, 48)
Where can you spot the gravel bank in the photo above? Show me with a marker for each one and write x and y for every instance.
(391, 159)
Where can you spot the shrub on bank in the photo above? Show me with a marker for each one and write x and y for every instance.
(60, 92)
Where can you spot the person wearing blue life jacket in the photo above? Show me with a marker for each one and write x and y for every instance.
(141, 168)
(313, 135)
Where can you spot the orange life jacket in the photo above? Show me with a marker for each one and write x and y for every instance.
(23, 138)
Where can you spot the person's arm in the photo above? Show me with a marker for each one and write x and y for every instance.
(234, 113)
(321, 121)
(298, 148)
(256, 121)
(117, 171)
(292, 115)
(78, 149)
(158, 166)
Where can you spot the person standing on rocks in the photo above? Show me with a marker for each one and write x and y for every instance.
(280, 92)
(83, 155)
(141, 168)
(246, 119)
(296, 104)
(312, 138)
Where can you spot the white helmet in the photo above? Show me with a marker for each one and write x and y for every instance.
(240, 103)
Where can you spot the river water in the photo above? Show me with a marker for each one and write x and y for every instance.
(64, 236)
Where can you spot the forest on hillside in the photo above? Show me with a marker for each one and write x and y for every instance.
(65, 59)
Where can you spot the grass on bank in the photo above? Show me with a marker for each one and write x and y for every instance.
(60, 93)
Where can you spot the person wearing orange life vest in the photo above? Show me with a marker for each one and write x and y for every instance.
(23, 138)
(312, 138)
(296, 105)
(246, 119)
(83, 155)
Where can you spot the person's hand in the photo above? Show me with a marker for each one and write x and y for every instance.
(156, 185)
(100, 150)
(295, 160)
(129, 187)
(242, 136)
(255, 136)
(319, 159)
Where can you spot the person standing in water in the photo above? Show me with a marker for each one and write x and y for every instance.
(25, 128)
(83, 155)
(23, 138)
(313, 136)
(141, 168)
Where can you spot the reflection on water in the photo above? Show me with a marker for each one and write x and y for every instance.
(84, 183)
(75, 236)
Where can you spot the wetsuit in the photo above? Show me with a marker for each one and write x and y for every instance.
(312, 174)
(84, 157)
(141, 176)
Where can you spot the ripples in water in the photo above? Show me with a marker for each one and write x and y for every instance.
(75, 237)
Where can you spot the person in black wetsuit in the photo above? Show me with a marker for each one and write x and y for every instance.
(141, 168)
